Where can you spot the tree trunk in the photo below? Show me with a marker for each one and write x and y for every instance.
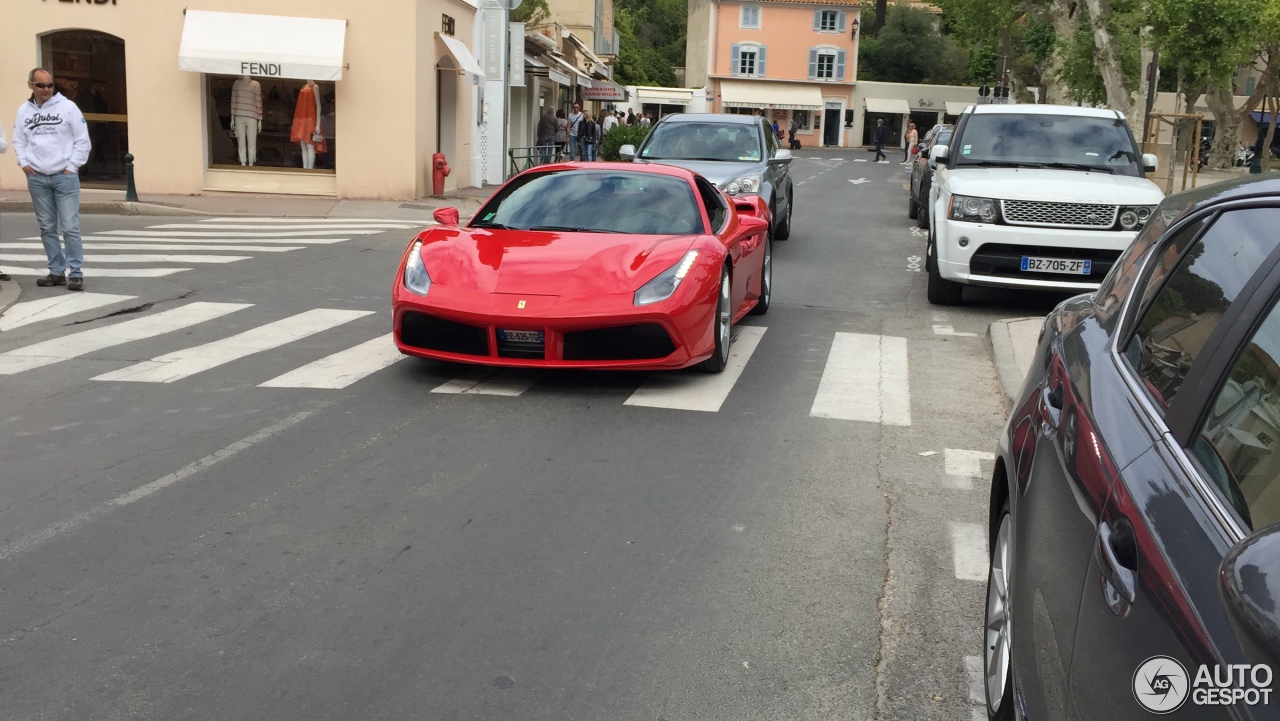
(1107, 55)
(1062, 15)
(1267, 162)
(1226, 132)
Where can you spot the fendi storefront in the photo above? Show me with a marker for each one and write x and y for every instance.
(314, 97)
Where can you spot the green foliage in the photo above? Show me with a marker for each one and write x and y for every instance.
(1208, 39)
(532, 13)
(620, 135)
(910, 50)
(651, 36)
(983, 62)
(1041, 40)
(1079, 72)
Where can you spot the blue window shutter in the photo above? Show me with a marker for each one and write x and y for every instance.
(760, 61)
(813, 63)
(817, 19)
(839, 74)
(735, 60)
(840, 21)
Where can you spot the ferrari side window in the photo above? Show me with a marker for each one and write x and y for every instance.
(1183, 314)
(716, 209)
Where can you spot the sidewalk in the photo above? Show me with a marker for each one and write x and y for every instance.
(112, 202)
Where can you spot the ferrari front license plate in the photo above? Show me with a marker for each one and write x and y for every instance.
(1056, 265)
(520, 336)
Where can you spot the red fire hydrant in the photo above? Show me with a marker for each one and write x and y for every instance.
(439, 171)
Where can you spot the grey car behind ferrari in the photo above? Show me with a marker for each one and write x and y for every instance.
(740, 154)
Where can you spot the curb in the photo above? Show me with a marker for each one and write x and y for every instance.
(107, 207)
(1009, 375)
(9, 292)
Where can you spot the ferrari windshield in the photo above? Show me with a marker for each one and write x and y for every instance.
(1073, 142)
(595, 201)
(726, 142)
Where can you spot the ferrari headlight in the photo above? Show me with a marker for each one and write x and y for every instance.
(661, 287)
(415, 273)
(973, 210)
(744, 184)
(1133, 217)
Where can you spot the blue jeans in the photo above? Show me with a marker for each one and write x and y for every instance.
(574, 149)
(56, 199)
(588, 151)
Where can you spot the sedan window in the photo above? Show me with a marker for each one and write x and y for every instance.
(728, 142)
(1239, 446)
(1179, 320)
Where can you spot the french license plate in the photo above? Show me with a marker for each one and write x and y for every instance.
(520, 336)
(1056, 265)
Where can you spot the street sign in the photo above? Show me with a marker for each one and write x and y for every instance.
(984, 91)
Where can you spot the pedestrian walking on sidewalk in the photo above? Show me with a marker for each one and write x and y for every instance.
(881, 134)
(51, 140)
(4, 145)
(913, 137)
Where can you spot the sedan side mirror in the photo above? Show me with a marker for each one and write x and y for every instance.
(446, 216)
(924, 153)
(1249, 583)
(1150, 162)
(781, 156)
(940, 153)
(627, 152)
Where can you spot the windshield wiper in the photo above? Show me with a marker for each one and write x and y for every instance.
(570, 229)
(495, 226)
(995, 164)
(673, 157)
(1078, 166)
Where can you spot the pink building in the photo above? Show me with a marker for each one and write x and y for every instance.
(790, 58)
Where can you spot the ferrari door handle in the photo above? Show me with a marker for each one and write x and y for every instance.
(1051, 400)
(1118, 558)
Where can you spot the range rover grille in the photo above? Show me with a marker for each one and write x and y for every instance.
(1059, 215)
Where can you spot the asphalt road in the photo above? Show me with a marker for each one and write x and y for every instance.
(179, 540)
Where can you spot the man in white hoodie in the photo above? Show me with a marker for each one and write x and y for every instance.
(51, 140)
(4, 145)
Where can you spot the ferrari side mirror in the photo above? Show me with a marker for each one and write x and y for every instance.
(446, 216)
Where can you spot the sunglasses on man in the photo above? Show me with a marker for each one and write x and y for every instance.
(43, 86)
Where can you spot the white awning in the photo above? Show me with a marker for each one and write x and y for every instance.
(887, 105)
(461, 55)
(664, 96)
(763, 94)
(583, 79)
(263, 45)
(954, 108)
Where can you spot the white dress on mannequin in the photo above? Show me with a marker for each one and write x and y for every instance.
(246, 117)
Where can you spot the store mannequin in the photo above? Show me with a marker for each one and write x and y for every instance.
(246, 117)
(306, 125)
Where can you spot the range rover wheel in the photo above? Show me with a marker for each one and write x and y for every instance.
(941, 291)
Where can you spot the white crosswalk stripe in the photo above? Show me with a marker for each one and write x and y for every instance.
(212, 242)
(969, 550)
(691, 391)
(279, 226)
(963, 467)
(343, 368)
(865, 379)
(98, 272)
(58, 306)
(181, 364)
(490, 382)
(75, 345)
(322, 221)
(134, 258)
(160, 245)
(170, 234)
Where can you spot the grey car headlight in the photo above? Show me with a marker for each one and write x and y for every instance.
(661, 287)
(973, 210)
(416, 279)
(743, 184)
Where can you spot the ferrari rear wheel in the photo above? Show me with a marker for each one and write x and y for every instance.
(721, 327)
(766, 280)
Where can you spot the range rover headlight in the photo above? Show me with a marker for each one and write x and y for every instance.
(415, 273)
(1133, 217)
(973, 210)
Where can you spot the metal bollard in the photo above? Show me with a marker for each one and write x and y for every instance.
(130, 191)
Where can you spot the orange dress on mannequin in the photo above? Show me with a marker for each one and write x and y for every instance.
(304, 120)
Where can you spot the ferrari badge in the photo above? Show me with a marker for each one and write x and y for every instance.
(520, 305)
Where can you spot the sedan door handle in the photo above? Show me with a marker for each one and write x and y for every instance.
(1051, 399)
(1118, 553)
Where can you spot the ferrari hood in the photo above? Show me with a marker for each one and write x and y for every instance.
(547, 263)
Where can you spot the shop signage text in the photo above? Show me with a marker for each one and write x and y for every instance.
(604, 92)
(88, 2)
(267, 69)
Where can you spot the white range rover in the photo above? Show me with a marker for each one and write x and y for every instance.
(1034, 196)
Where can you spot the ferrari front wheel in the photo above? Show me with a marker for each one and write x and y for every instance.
(721, 327)
(766, 280)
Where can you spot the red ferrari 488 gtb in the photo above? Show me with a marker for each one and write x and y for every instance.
(588, 265)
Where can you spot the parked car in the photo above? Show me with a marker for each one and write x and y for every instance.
(1135, 501)
(740, 154)
(1034, 196)
(922, 167)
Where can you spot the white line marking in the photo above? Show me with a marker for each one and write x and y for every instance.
(948, 330)
(340, 221)
(860, 181)
(58, 306)
(859, 160)
(489, 382)
(27, 543)
(229, 233)
(964, 467)
(969, 550)
(695, 391)
(865, 379)
(127, 258)
(977, 681)
(96, 246)
(926, 454)
(802, 182)
(95, 339)
(187, 362)
(940, 316)
(212, 242)
(98, 272)
(268, 226)
(342, 368)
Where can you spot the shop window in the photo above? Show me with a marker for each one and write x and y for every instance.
(288, 115)
(802, 118)
(88, 69)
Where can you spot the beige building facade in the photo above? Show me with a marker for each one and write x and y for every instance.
(323, 97)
